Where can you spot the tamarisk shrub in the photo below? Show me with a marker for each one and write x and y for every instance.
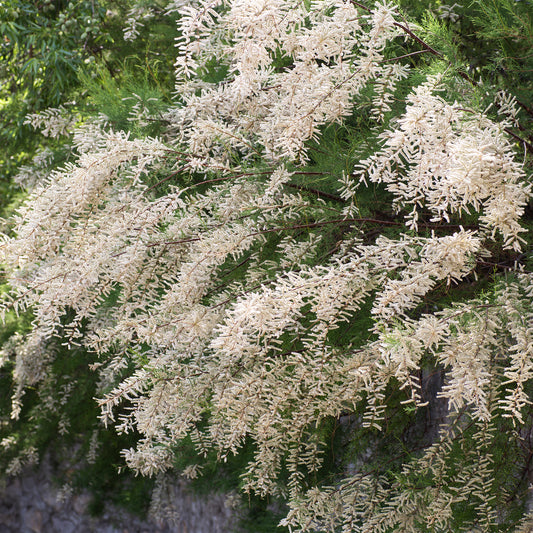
(230, 301)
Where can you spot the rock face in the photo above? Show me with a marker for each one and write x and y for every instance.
(32, 503)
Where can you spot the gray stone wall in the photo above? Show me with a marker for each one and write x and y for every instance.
(33, 503)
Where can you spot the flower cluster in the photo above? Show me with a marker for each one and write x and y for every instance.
(335, 52)
(449, 160)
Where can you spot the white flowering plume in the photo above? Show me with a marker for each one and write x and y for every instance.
(335, 51)
(233, 294)
(449, 159)
(53, 122)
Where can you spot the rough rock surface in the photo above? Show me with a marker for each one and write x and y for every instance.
(33, 503)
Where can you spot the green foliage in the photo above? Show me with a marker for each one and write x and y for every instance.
(44, 45)
(502, 54)
(116, 96)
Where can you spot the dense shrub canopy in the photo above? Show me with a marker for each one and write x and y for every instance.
(316, 240)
